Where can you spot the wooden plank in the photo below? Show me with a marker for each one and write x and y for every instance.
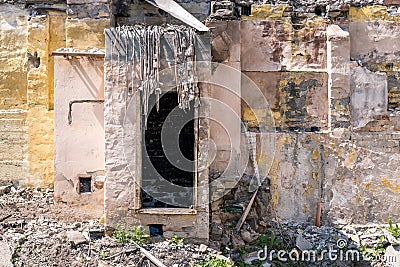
(5, 217)
(150, 256)
(246, 212)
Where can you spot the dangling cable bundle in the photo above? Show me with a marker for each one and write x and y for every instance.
(146, 51)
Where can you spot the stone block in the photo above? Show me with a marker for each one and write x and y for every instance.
(89, 10)
(339, 52)
(304, 101)
(76, 238)
(369, 95)
(368, 165)
(267, 83)
(303, 244)
(372, 41)
(283, 47)
(272, 37)
(308, 51)
(294, 191)
(86, 33)
(225, 40)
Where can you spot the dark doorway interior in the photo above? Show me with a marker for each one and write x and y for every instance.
(170, 161)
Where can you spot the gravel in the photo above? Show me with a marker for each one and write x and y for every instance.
(35, 231)
(41, 233)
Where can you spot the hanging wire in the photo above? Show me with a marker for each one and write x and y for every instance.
(146, 43)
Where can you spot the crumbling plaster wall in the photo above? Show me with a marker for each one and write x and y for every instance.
(28, 38)
(304, 57)
(79, 128)
(13, 71)
(361, 171)
(332, 89)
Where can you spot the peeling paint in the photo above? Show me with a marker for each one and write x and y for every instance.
(375, 12)
(390, 185)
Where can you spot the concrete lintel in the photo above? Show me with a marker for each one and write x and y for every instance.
(168, 211)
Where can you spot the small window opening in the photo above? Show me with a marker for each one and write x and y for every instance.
(389, 66)
(320, 10)
(85, 184)
(314, 129)
(156, 230)
(246, 10)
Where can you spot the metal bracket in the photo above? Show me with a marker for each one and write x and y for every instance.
(80, 101)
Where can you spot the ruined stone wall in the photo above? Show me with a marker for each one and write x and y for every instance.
(138, 11)
(79, 133)
(329, 71)
(331, 82)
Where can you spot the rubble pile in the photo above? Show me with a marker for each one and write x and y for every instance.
(27, 204)
(304, 245)
(34, 231)
(297, 9)
(344, 245)
(50, 243)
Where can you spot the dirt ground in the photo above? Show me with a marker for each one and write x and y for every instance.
(35, 231)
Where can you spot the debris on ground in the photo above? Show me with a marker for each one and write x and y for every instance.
(35, 231)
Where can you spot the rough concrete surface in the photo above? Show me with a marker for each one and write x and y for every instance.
(79, 80)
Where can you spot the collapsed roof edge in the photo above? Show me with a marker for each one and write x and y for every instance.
(177, 11)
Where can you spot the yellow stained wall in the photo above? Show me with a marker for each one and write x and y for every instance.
(86, 34)
(26, 124)
(369, 13)
(27, 87)
(13, 42)
(39, 119)
(13, 81)
(47, 34)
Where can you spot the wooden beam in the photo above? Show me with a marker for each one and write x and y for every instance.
(246, 212)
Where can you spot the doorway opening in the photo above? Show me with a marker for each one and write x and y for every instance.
(168, 147)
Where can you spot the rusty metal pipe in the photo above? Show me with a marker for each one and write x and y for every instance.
(318, 216)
